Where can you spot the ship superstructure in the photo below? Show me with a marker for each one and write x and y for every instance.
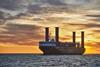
(55, 47)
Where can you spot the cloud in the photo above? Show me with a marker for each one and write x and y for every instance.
(60, 2)
(1, 15)
(94, 3)
(21, 34)
(94, 17)
(95, 44)
(88, 25)
(15, 7)
(13, 4)
(28, 16)
(76, 1)
(49, 2)
(97, 31)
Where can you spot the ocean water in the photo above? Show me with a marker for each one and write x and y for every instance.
(49, 60)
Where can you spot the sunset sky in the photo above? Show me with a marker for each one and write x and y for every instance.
(22, 23)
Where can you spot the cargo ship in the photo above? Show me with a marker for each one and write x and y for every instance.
(56, 47)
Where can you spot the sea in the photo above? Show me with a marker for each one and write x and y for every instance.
(30, 60)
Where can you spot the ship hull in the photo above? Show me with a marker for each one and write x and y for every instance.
(61, 50)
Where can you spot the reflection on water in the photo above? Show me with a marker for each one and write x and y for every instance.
(49, 60)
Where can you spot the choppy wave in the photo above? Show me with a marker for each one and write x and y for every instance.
(49, 60)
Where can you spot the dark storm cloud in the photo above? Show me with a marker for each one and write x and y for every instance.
(21, 34)
(13, 4)
(60, 2)
(24, 5)
(13, 7)
(52, 2)
(20, 4)
(8, 4)
(78, 3)
(1, 15)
